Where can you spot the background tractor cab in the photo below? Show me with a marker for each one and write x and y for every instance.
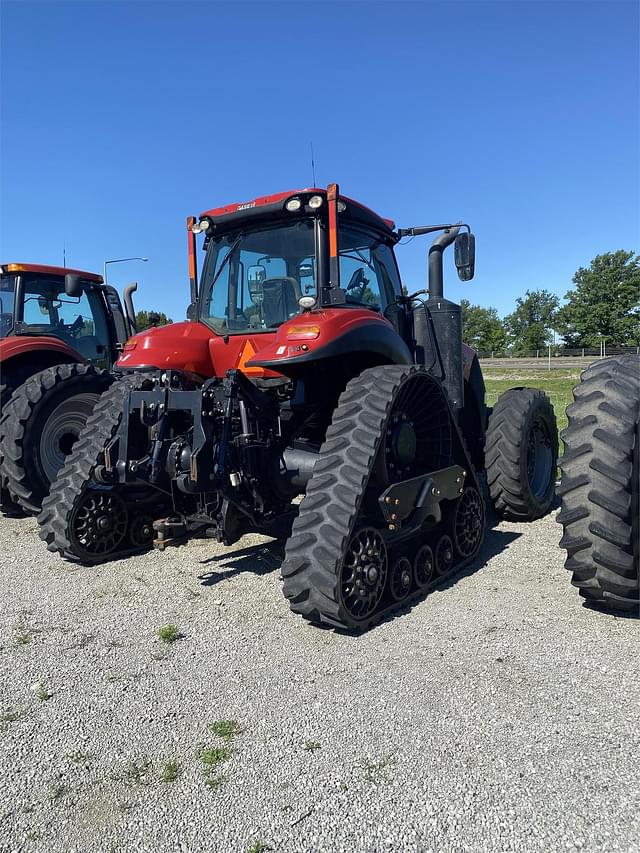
(61, 330)
(54, 315)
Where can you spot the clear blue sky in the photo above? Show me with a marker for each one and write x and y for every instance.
(120, 119)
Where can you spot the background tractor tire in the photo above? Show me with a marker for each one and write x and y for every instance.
(7, 505)
(40, 425)
(521, 453)
(600, 511)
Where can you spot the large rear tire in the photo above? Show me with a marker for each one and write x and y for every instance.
(40, 425)
(600, 510)
(521, 453)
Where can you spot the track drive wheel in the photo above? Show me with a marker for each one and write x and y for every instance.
(521, 452)
(391, 423)
(77, 509)
(40, 425)
(600, 485)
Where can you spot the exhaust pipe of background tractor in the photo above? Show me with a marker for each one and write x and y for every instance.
(128, 307)
(436, 289)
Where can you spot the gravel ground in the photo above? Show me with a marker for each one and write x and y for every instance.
(497, 714)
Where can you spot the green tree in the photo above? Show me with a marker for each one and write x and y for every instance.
(605, 302)
(147, 319)
(482, 328)
(531, 325)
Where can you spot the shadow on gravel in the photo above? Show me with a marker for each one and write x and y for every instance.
(258, 559)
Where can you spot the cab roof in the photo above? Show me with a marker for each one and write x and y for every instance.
(45, 269)
(268, 206)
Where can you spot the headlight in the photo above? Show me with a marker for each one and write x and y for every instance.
(205, 224)
(307, 302)
(293, 204)
(341, 206)
(315, 201)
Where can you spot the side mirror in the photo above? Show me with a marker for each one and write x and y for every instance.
(72, 284)
(465, 255)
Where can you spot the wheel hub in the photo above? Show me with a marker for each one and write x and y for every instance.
(364, 573)
(99, 523)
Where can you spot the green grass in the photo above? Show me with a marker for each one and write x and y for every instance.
(169, 633)
(557, 384)
(170, 771)
(259, 847)
(226, 729)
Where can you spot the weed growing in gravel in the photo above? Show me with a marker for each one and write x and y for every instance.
(170, 771)
(23, 638)
(212, 757)
(372, 769)
(259, 847)
(226, 729)
(135, 773)
(11, 716)
(311, 745)
(44, 695)
(79, 757)
(169, 633)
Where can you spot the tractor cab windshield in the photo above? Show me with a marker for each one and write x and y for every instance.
(37, 304)
(253, 280)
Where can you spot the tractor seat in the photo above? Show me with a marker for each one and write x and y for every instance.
(280, 300)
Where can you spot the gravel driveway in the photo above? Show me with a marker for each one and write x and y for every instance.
(497, 714)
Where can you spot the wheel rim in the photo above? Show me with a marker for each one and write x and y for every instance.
(423, 566)
(141, 531)
(400, 579)
(444, 555)
(99, 524)
(61, 430)
(364, 573)
(539, 458)
(469, 522)
(417, 436)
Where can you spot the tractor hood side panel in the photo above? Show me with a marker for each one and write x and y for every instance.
(193, 348)
(178, 346)
(332, 333)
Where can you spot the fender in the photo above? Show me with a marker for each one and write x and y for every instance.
(17, 345)
(331, 333)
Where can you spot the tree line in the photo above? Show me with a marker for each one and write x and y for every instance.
(603, 305)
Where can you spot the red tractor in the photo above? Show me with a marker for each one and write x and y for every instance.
(61, 330)
(305, 368)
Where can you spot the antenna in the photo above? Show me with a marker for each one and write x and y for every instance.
(64, 255)
(313, 166)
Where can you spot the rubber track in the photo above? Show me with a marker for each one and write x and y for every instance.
(78, 470)
(20, 411)
(507, 429)
(599, 485)
(329, 511)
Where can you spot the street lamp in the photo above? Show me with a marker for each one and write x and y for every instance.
(118, 261)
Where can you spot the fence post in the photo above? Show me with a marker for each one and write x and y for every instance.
(549, 357)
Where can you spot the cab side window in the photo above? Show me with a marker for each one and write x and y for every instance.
(360, 276)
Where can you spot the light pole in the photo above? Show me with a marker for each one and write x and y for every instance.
(118, 261)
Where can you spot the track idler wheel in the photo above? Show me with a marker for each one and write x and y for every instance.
(444, 555)
(468, 523)
(141, 531)
(400, 579)
(98, 526)
(423, 567)
(364, 573)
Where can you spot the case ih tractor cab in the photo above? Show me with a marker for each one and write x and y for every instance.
(304, 368)
(61, 331)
